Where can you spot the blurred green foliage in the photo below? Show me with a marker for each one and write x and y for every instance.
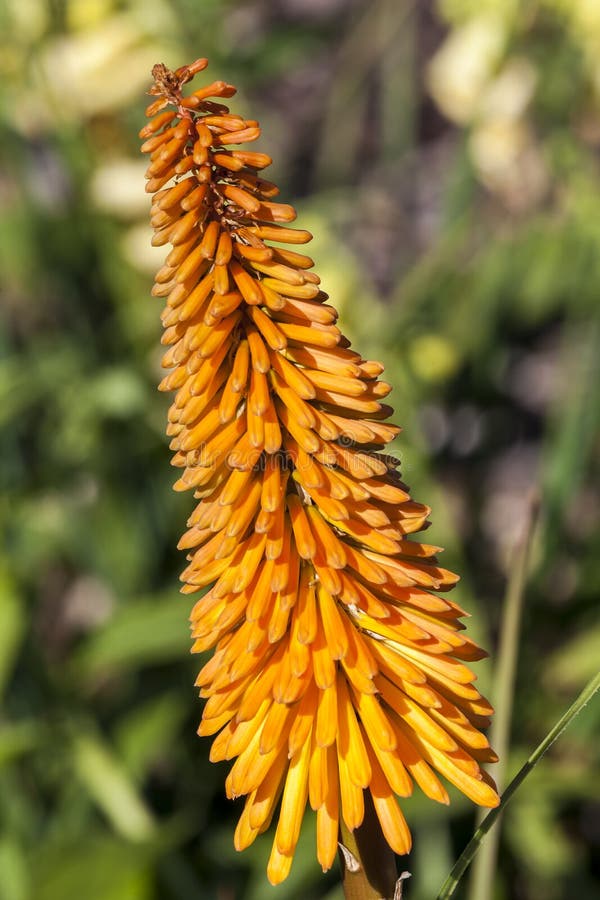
(446, 158)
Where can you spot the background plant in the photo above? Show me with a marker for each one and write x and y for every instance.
(445, 157)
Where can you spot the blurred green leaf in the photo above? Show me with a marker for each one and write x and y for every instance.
(538, 840)
(100, 868)
(14, 882)
(145, 734)
(576, 661)
(119, 392)
(140, 633)
(17, 738)
(433, 859)
(12, 625)
(105, 779)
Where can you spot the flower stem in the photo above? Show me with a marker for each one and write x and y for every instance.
(481, 885)
(449, 887)
(374, 876)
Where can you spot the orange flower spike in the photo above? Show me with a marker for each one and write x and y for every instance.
(337, 666)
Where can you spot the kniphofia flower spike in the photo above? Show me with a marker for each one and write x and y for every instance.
(337, 667)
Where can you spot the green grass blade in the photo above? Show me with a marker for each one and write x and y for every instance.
(481, 886)
(451, 883)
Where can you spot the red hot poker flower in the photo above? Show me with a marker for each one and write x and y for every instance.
(337, 667)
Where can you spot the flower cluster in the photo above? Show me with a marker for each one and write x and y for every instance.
(337, 667)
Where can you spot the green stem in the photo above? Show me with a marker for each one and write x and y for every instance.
(369, 873)
(449, 887)
(482, 881)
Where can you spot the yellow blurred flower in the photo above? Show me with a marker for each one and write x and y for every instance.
(462, 68)
(433, 358)
(116, 187)
(97, 69)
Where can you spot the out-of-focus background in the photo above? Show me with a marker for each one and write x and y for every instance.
(446, 156)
